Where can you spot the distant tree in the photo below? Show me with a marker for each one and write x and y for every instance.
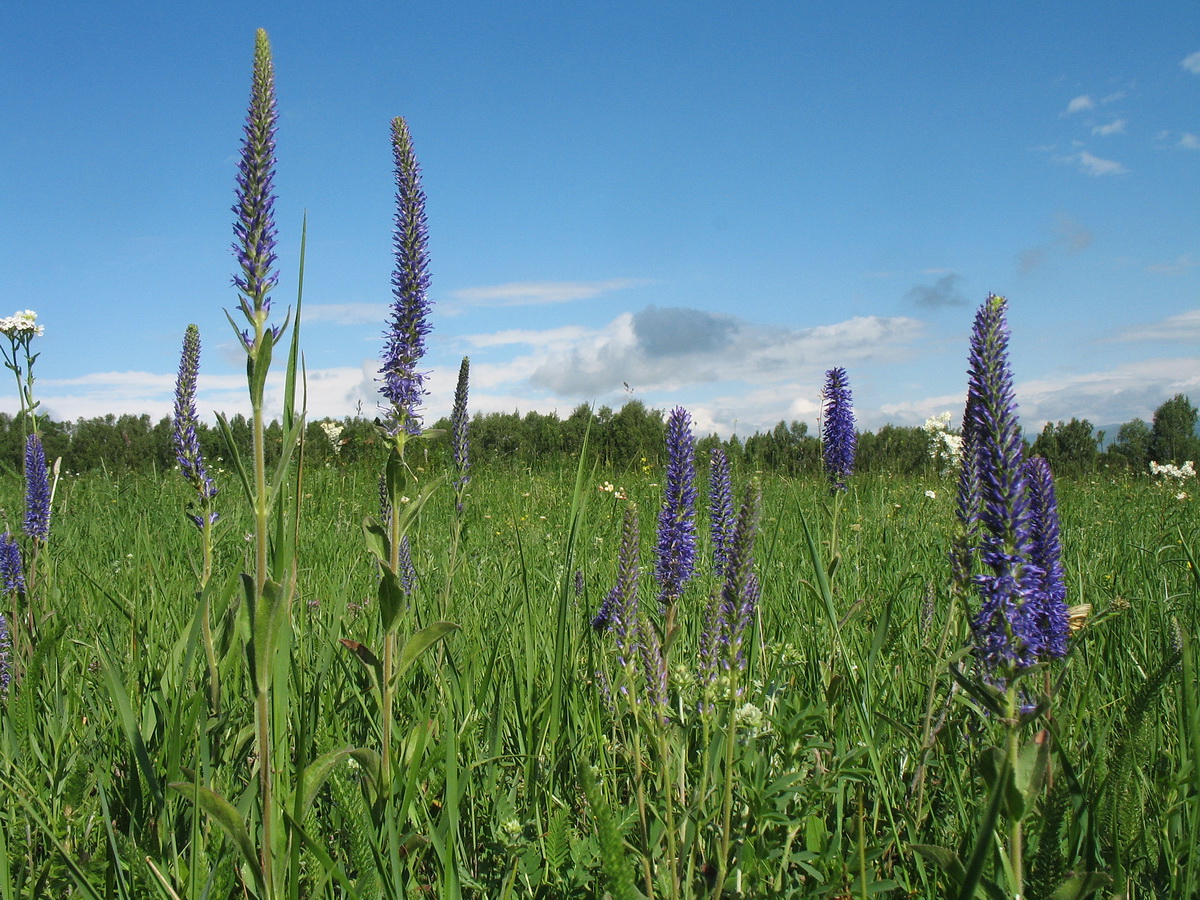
(1173, 438)
(894, 450)
(1071, 448)
(1132, 446)
(787, 448)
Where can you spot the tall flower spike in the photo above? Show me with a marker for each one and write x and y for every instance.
(739, 595)
(1046, 554)
(12, 573)
(184, 439)
(1007, 633)
(37, 491)
(5, 657)
(838, 439)
(676, 556)
(403, 384)
(619, 611)
(720, 508)
(459, 425)
(254, 225)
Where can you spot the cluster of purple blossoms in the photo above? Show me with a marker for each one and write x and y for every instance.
(720, 508)
(184, 439)
(730, 613)
(838, 438)
(619, 611)
(12, 572)
(676, 550)
(37, 491)
(1022, 618)
(403, 384)
(254, 223)
(5, 654)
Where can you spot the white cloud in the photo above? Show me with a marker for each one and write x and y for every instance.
(668, 349)
(1095, 166)
(347, 313)
(1189, 141)
(1192, 63)
(1181, 264)
(1113, 395)
(1112, 98)
(539, 293)
(544, 338)
(1181, 328)
(1116, 127)
(1079, 104)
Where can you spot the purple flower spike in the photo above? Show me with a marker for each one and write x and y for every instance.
(37, 491)
(403, 384)
(459, 425)
(12, 573)
(838, 439)
(1046, 555)
(739, 595)
(254, 225)
(5, 657)
(1008, 636)
(720, 508)
(408, 572)
(677, 519)
(619, 611)
(184, 439)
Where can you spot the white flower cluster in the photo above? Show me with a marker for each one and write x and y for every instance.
(333, 431)
(943, 444)
(1166, 470)
(21, 323)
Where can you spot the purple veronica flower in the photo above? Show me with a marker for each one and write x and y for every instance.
(714, 633)
(37, 490)
(5, 657)
(676, 552)
(408, 572)
(459, 425)
(838, 439)
(654, 668)
(720, 508)
(1008, 635)
(403, 384)
(184, 439)
(12, 573)
(1046, 555)
(254, 225)
(740, 593)
(619, 611)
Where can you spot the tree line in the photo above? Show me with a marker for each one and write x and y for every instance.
(631, 438)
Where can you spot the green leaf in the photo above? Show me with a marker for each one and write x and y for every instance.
(392, 598)
(315, 775)
(129, 723)
(270, 612)
(420, 642)
(332, 869)
(235, 456)
(377, 540)
(1080, 885)
(224, 814)
(945, 858)
(1032, 764)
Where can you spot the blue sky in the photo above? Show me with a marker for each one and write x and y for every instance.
(701, 203)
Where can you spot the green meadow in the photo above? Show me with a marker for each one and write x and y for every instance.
(845, 760)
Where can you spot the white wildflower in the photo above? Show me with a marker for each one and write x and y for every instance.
(333, 432)
(22, 322)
